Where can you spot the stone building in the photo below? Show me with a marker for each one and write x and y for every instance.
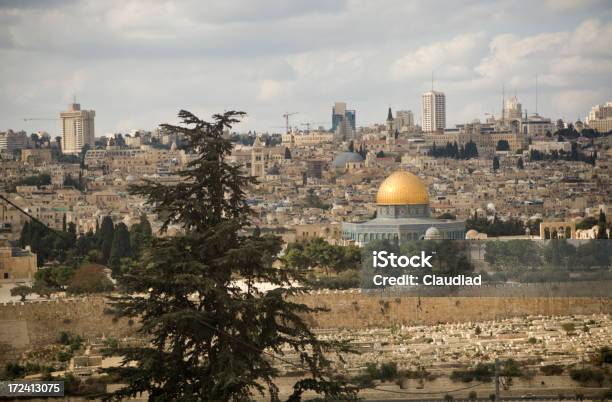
(16, 264)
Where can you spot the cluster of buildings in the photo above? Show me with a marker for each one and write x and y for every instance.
(349, 184)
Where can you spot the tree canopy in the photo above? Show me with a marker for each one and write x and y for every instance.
(211, 339)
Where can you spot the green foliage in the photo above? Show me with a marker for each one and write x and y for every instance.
(552, 369)
(568, 326)
(89, 278)
(313, 201)
(483, 372)
(586, 376)
(454, 151)
(55, 278)
(47, 244)
(349, 279)
(107, 232)
(64, 356)
(319, 253)
(587, 223)
(38, 180)
(15, 370)
(22, 291)
(140, 234)
(121, 247)
(495, 163)
(496, 227)
(506, 255)
(209, 339)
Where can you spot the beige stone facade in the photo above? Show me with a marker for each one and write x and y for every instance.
(16, 264)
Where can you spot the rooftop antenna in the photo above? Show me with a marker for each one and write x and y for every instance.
(503, 101)
(536, 106)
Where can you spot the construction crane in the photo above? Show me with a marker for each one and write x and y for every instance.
(310, 124)
(40, 118)
(286, 116)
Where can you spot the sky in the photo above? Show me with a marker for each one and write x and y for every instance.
(137, 63)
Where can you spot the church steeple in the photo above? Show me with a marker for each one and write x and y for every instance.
(389, 114)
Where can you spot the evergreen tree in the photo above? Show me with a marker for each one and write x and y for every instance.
(520, 164)
(121, 247)
(106, 238)
(351, 146)
(210, 340)
(140, 234)
(64, 223)
(601, 232)
(495, 163)
(287, 153)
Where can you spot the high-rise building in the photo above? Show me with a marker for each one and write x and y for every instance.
(11, 140)
(77, 128)
(434, 111)
(600, 118)
(404, 120)
(343, 121)
(513, 110)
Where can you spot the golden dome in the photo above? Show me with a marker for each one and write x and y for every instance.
(402, 188)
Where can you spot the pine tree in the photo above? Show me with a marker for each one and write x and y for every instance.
(495, 163)
(106, 238)
(601, 226)
(121, 247)
(287, 153)
(209, 339)
(520, 164)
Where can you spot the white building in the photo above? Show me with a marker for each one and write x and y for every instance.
(77, 128)
(434, 111)
(600, 118)
(11, 140)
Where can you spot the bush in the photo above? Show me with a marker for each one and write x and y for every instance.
(388, 371)
(90, 278)
(552, 369)
(587, 375)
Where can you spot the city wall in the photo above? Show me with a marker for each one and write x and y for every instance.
(35, 324)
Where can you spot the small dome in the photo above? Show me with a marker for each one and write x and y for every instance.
(345, 157)
(433, 234)
(471, 234)
(402, 188)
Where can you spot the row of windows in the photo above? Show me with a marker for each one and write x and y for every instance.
(366, 237)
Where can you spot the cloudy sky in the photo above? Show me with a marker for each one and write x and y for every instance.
(138, 62)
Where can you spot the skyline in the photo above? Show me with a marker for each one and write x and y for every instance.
(137, 65)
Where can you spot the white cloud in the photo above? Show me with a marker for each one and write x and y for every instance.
(450, 59)
(269, 90)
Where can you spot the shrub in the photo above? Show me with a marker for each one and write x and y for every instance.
(552, 369)
(587, 375)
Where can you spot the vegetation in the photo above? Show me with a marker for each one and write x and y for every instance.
(37, 180)
(214, 346)
(89, 278)
(454, 151)
(495, 227)
(318, 253)
(22, 291)
(586, 376)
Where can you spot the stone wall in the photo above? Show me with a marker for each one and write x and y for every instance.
(34, 324)
(353, 310)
